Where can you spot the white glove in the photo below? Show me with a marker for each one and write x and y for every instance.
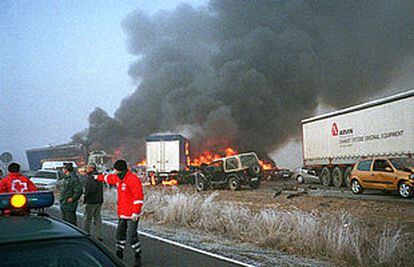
(95, 177)
(134, 217)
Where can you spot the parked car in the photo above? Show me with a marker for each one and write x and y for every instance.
(305, 175)
(46, 179)
(387, 174)
(232, 172)
(30, 239)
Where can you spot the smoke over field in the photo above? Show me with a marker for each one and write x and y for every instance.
(245, 73)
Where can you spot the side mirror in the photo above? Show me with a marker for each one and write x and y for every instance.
(388, 169)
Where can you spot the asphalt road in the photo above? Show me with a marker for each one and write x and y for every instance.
(155, 252)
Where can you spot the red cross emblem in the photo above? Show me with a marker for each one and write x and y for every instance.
(334, 129)
(18, 186)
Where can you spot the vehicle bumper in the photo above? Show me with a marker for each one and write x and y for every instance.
(45, 187)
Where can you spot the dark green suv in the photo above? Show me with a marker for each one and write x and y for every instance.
(29, 239)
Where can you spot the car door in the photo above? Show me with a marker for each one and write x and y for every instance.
(363, 172)
(217, 171)
(384, 174)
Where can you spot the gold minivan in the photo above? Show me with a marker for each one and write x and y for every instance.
(387, 174)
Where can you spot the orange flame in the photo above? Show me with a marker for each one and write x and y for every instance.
(187, 153)
(142, 163)
(266, 165)
(207, 156)
(171, 182)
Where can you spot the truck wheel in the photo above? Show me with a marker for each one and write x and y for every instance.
(356, 187)
(347, 176)
(326, 176)
(234, 183)
(405, 190)
(337, 177)
(300, 179)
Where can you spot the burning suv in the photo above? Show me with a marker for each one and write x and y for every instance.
(232, 172)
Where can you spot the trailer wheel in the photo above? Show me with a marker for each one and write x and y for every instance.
(347, 176)
(337, 177)
(326, 177)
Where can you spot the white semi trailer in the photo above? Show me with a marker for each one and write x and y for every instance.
(333, 142)
(167, 154)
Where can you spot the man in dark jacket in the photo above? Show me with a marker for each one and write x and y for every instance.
(70, 194)
(93, 200)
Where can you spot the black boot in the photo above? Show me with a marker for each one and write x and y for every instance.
(137, 260)
(120, 254)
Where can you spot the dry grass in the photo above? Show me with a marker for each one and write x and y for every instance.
(337, 236)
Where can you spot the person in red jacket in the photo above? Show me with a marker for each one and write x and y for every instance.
(130, 201)
(16, 182)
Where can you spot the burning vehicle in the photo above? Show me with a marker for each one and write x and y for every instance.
(230, 172)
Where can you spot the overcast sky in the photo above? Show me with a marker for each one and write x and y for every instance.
(58, 61)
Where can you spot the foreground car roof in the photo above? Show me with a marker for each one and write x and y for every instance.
(33, 227)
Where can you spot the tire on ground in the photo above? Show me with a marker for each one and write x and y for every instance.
(300, 179)
(347, 176)
(356, 187)
(234, 183)
(337, 176)
(326, 176)
(201, 183)
(405, 190)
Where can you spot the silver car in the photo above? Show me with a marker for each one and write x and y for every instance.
(305, 175)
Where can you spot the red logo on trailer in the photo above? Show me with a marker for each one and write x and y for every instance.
(334, 129)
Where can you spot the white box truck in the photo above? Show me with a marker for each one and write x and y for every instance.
(167, 154)
(333, 142)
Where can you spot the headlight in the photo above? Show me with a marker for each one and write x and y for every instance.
(412, 176)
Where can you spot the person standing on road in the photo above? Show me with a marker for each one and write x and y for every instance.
(70, 193)
(93, 200)
(16, 182)
(130, 201)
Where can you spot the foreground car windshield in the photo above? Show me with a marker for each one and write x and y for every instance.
(248, 160)
(62, 253)
(45, 175)
(402, 163)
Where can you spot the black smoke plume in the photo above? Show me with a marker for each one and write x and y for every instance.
(245, 73)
